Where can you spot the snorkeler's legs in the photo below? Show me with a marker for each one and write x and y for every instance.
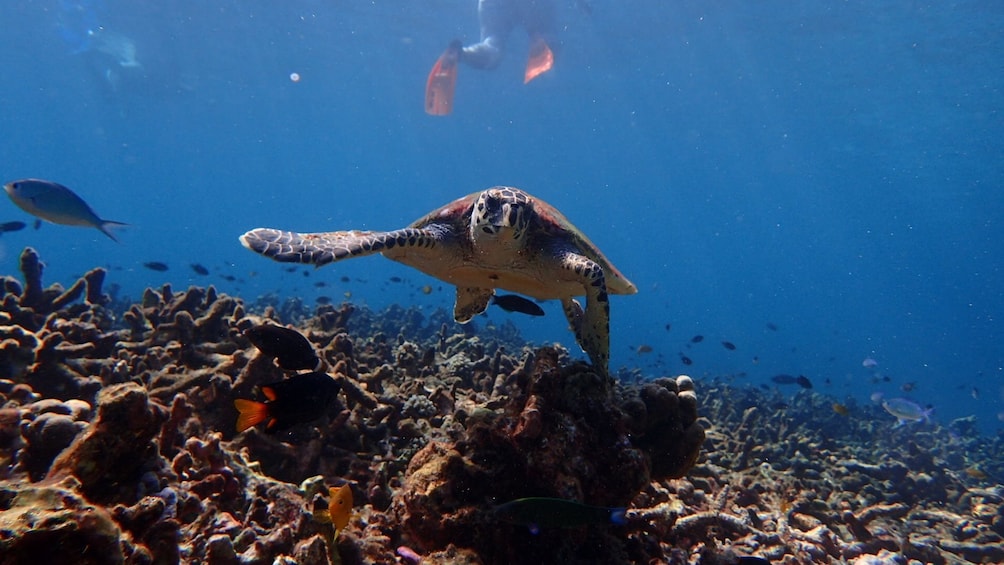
(497, 18)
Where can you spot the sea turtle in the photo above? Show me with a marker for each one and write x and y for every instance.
(497, 238)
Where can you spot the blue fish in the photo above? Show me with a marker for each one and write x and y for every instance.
(906, 411)
(537, 512)
(56, 203)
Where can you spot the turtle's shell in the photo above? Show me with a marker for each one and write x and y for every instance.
(548, 228)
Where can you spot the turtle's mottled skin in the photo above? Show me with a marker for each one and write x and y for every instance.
(498, 238)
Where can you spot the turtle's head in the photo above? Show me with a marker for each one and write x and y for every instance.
(500, 217)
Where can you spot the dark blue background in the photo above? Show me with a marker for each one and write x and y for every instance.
(832, 168)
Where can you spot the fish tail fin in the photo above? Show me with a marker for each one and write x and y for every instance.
(251, 413)
(618, 516)
(103, 225)
(927, 415)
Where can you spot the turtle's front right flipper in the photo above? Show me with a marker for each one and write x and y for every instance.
(442, 82)
(323, 248)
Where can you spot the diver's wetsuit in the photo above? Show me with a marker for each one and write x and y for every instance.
(498, 18)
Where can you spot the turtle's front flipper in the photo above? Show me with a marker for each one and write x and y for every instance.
(592, 327)
(471, 302)
(323, 248)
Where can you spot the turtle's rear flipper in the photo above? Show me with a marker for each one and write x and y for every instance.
(471, 302)
(540, 61)
(442, 82)
(323, 248)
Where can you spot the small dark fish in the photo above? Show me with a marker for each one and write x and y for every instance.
(841, 409)
(538, 512)
(803, 381)
(289, 348)
(345, 279)
(515, 303)
(784, 379)
(300, 398)
(697, 339)
(685, 360)
(37, 224)
(323, 300)
(771, 327)
(12, 226)
(199, 269)
(669, 327)
(229, 278)
(395, 279)
(320, 284)
(908, 387)
(644, 348)
(291, 269)
(156, 266)
(729, 345)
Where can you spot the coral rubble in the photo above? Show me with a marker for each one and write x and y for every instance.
(118, 445)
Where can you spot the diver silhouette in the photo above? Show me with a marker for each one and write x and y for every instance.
(498, 18)
(109, 54)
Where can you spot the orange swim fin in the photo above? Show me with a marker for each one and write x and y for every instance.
(442, 82)
(540, 61)
(251, 413)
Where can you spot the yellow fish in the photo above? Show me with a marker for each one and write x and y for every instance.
(340, 506)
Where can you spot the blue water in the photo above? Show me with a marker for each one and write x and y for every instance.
(834, 169)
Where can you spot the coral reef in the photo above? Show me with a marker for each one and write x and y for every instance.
(118, 445)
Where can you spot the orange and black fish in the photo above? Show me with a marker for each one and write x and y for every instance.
(289, 348)
(515, 303)
(300, 398)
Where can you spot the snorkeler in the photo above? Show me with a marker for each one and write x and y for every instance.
(498, 18)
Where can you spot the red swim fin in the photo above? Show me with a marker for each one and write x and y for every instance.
(251, 413)
(540, 61)
(442, 82)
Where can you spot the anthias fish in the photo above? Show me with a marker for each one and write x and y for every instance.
(542, 512)
(516, 303)
(289, 348)
(906, 411)
(340, 506)
(56, 203)
(298, 399)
